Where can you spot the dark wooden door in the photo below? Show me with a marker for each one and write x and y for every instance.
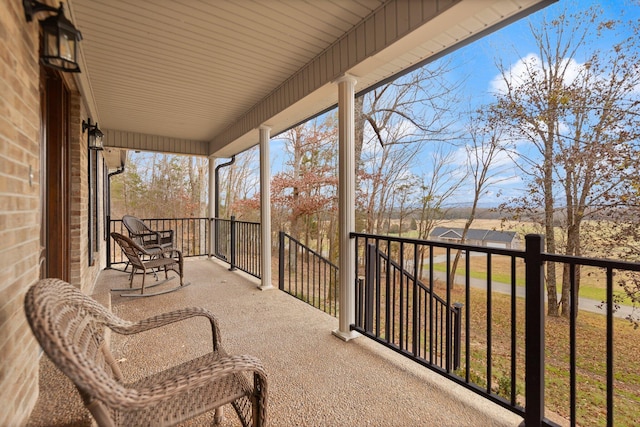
(54, 176)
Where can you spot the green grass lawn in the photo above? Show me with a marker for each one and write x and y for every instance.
(591, 363)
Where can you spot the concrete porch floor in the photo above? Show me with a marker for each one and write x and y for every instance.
(315, 379)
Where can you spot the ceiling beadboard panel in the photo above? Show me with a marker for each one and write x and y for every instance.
(213, 71)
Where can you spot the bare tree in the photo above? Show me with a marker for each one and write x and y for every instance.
(441, 180)
(579, 120)
(409, 112)
(385, 169)
(483, 167)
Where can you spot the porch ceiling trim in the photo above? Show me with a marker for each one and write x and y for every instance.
(156, 143)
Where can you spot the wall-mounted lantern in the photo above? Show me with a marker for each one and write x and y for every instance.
(59, 39)
(94, 135)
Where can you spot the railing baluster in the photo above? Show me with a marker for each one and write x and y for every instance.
(281, 255)
(489, 316)
(457, 332)
(378, 288)
(447, 319)
(514, 354)
(573, 312)
(370, 267)
(431, 314)
(416, 311)
(467, 297)
(610, 406)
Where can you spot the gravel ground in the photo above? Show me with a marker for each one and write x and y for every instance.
(315, 379)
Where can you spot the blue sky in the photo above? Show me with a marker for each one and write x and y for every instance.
(482, 53)
(509, 45)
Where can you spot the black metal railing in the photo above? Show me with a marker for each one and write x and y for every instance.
(407, 318)
(502, 353)
(397, 309)
(606, 384)
(191, 236)
(235, 242)
(307, 275)
(239, 244)
(474, 326)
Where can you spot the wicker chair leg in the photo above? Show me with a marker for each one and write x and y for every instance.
(255, 408)
(218, 416)
(144, 276)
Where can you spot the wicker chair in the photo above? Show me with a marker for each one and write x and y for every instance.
(70, 327)
(140, 233)
(150, 259)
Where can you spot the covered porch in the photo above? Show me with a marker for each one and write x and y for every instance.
(314, 378)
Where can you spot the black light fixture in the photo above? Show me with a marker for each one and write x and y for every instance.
(94, 135)
(60, 38)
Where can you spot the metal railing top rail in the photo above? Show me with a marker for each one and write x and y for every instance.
(518, 253)
(438, 243)
(592, 262)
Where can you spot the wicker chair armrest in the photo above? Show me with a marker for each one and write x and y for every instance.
(151, 246)
(136, 397)
(169, 250)
(129, 328)
(146, 234)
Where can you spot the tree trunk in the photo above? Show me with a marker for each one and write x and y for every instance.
(552, 290)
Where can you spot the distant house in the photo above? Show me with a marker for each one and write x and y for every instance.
(478, 237)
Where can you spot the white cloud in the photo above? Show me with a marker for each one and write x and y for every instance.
(531, 66)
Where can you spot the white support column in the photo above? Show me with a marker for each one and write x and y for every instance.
(265, 207)
(346, 205)
(212, 199)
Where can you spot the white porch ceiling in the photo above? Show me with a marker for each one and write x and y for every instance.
(206, 74)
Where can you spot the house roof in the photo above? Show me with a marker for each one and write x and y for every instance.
(200, 77)
(474, 234)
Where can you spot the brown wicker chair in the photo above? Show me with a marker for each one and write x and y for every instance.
(144, 236)
(70, 327)
(150, 259)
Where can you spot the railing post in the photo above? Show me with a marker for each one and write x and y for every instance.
(216, 237)
(108, 225)
(232, 244)
(281, 260)
(209, 237)
(369, 278)
(457, 334)
(534, 331)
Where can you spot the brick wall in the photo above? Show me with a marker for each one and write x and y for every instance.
(19, 209)
(20, 220)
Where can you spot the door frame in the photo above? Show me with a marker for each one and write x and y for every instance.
(55, 175)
